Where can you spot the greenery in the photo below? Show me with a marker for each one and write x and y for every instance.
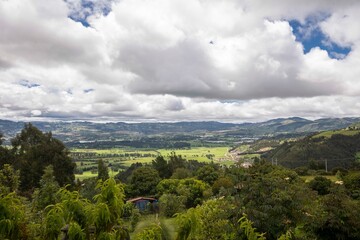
(190, 200)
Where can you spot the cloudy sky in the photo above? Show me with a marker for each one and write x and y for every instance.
(175, 60)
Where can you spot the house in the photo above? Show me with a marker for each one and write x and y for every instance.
(145, 203)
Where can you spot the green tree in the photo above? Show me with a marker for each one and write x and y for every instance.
(12, 217)
(209, 221)
(161, 165)
(143, 181)
(223, 185)
(321, 184)
(33, 151)
(275, 200)
(170, 204)
(5, 155)
(337, 217)
(9, 179)
(352, 183)
(46, 194)
(80, 215)
(208, 174)
(181, 173)
(103, 172)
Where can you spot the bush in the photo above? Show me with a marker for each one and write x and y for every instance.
(321, 185)
(171, 204)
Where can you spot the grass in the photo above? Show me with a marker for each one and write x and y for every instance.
(309, 178)
(85, 175)
(328, 134)
(167, 224)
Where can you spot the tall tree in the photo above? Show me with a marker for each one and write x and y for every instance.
(5, 155)
(103, 172)
(46, 194)
(33, 151)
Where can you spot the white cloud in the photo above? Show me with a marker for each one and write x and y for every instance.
(166, 60)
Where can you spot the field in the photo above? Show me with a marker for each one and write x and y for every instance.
(328, 134)
(117, 158)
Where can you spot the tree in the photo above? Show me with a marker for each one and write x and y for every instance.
(5, 154)
(103, 172)
(321, 184)
(143, 181)
(170, 204)
(175, 161)
(212, 220)
(161, 165)
(337, 218)
(33, 151)
(223, 185)
(80, 215)
(275, 199)
(208, 174)
(9, 179)
(46, 194)
(12, 217)
(181, 173)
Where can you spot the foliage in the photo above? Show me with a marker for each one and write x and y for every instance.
(109, 205)
(143, 181)
(12, 213)
(321, 185)
(161, 165)
(181, 173)
(9, 179)
(208, 174)
(79, 214)
(352, 183)
(46, 194)
(208, 221)
(277, 194)
(103, 172)
(250, 232)
(339, 150)
(171, 204)
(153, 232)
(337, 217)
(33, 151)
(223, 185)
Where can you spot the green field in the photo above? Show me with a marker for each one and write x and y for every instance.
(125, 157)
(328, 134)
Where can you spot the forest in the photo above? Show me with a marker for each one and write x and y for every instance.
(40, 198)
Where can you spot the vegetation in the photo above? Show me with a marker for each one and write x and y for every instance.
(191, 199)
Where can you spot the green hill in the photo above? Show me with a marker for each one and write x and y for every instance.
(337, 148)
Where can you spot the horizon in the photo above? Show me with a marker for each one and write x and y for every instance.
(160, 61)
(155, 122)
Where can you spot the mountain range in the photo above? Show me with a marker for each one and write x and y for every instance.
(91, 131)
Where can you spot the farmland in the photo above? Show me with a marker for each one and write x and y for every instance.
(120, 158)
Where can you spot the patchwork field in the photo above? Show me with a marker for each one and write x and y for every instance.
(119, 158)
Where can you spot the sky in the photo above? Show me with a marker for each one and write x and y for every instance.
(176, 60)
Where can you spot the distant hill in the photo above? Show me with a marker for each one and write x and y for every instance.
(337, 148)
(120, 131)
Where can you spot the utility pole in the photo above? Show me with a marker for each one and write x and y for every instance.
(276, 161)
(326, 168)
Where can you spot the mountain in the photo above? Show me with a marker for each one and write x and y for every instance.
(119, 131)
(336, 148)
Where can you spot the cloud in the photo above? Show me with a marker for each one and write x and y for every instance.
(166, 60)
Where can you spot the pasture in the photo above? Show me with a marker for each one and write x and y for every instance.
(118, 158)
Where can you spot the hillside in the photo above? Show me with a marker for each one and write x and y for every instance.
(182, 131)
(337, 148)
